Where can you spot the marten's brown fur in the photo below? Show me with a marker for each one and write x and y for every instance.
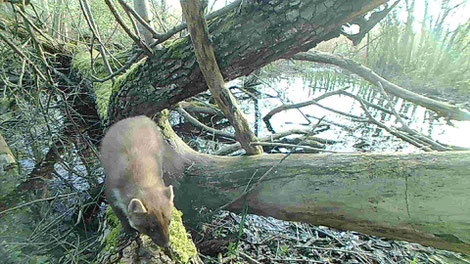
(131, 154)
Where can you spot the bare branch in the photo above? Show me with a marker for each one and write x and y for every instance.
(314, 101)
(193, 13)
(94, 30)
(419, 142)
(167, 36)
(292, 146)
(195, 122)
(22, 55)
(441, 108)
(234, 147)
(131, 10)
(135, 38)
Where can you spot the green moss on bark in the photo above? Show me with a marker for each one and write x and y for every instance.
(103, 90)
(182, 245)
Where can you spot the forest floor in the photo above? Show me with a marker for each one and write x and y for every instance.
(232, 238)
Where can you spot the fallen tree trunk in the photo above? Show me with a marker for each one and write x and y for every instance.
(420, 197)
(244, 40)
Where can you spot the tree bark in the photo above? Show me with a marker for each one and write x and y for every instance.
(418, 197)
(194, 15)
(421, 197)
(244, 40)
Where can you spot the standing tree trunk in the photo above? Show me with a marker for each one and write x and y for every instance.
(142, 8)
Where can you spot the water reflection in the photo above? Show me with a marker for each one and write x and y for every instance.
(352, 136)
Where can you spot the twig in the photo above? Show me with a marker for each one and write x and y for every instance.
(135, 38)
(378, 107)
(168, 35)
(285, 107)
(236, 146)
(129, 9)
(345, 127)
(392, 131)
(195, 122)
(38, 48)
(22, 55)
(94, 30)
(34, 26)
(125, 67)
(391, 105)
(411, 136)
(293, 146)
(37, 201)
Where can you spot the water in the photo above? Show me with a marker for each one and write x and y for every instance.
(353, 136)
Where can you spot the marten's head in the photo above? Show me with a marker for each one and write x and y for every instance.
(151, 214)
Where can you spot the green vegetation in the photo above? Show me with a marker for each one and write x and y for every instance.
(436, 56)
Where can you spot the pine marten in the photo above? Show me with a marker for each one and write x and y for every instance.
(131, 154)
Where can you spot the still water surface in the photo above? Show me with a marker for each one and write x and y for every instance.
(367, 135)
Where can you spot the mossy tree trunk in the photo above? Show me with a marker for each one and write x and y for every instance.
(245, 39)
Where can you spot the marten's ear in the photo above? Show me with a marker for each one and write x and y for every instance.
(136, 206)
(169, 193)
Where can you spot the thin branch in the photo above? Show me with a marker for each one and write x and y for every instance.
(182, 26)
(314, 101)
(417, 142)
(37, 45)
(443, 109)
(85, 7)
(22, 55)
(236, 146)
(34, 26)
(167, 36)
(391, 106)
(293, 146)
(345, 127)
(195, 122)
(131, 10)
(194, 14)
(378, 107)
(37, 201)
(135, 38)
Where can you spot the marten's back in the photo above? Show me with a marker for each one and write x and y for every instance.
(129, 154)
